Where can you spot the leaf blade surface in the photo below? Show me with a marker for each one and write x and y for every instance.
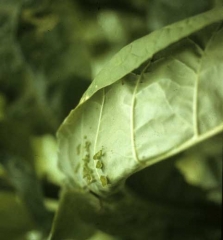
(147, 117)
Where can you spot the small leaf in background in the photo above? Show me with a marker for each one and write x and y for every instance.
(166, 12)
(45, 153)
(100, 235)
(203, 168)
(15, 221)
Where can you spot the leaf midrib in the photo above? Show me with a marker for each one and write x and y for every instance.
(99, 125)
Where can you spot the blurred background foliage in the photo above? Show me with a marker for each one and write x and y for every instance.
(49, 53)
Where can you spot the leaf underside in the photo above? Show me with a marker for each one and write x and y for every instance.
(172, 103)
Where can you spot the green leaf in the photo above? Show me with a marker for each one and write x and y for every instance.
(101, 235)
(202, 166)
(165, 12)
(45, 148)
(70, 220)
(172, 104)
(137, 52)
(15, 221)
(130, 217)
(2, 107)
